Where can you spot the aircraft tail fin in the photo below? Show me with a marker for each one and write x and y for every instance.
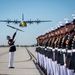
(22, 16)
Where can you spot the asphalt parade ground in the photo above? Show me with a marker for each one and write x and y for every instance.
(24, 62)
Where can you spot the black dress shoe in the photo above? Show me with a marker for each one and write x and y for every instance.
(11, 67)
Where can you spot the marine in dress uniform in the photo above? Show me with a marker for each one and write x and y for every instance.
(64, 53)
(69, 61)
(73, 53)
(59, 52)
(73, 45)
(50, 55)
(11, 50)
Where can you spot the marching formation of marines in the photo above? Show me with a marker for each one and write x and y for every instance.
(55, 50)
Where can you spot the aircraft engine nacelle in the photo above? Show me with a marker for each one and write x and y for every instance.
(23, 24)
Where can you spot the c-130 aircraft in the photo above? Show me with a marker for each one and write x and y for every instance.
(23, 23)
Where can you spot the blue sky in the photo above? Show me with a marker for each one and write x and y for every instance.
(55, 10)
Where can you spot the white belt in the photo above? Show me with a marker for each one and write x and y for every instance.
(59, 50)
(69, 51)
(43, 47)
(49, 47)
(40, 46)
(12, 45)
(56, 48)
(73, 50)
(53, 49)
(63, 50)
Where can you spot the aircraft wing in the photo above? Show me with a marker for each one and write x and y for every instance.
(10, 21)
(37, 21)
(30, 21)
